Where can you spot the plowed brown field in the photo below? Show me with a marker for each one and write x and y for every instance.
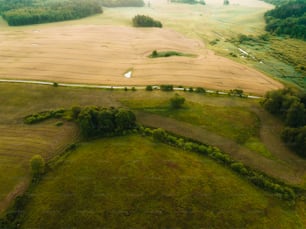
(102, 54)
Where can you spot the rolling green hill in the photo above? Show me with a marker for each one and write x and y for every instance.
(115, 183)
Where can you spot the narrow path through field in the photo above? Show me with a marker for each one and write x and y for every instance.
(275, 168)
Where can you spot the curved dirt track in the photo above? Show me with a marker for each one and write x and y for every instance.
(102, 54)
(289, 167)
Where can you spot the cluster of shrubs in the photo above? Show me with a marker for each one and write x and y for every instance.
(156, 54)
(236, 92)
(259, 179)
(290, 107)
(177, 101)
(51, 12)
(251, 40)
(145, 21)
(93, 121)
(44, 115)
(97, 121)
(169, 87)
(166, 87)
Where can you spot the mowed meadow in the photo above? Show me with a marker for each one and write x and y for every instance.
(99, 50)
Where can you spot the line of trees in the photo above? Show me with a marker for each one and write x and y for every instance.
(190, 1)
(122, 3)
(30, 13)
(288, 19)
(290, 107)
(259, 179)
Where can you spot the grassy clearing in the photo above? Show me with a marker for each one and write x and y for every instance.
(237, 126)
(114, 182)
(236, 123)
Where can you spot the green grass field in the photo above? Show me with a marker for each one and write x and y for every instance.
(204, 113)
(113, 182)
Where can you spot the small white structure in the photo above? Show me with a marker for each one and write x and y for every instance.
(128, 74)
(242, 51)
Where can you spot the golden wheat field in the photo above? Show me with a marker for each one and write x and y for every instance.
(101, 54)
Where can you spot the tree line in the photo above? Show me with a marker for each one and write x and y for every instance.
(27, 12)
(290, 107)
(190, 1)
(277, 2)
(261, 180)
(122, 3)
(288, 19)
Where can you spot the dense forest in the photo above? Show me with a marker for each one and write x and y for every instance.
(290, 107)
(288, 19)
(277, 2)
(25, 12)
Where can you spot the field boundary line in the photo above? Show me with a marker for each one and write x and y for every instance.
(96, 86)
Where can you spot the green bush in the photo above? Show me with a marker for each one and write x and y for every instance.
(160, 135)
(200, 90)
(239, 167)
(37, 166)
(166, 87)
(149, 88)
(145, 21)
(177, 101)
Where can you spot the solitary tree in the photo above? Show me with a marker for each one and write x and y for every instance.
(177, 101)
(37, 165)
(226, 2)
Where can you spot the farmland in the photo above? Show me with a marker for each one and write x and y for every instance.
(134, 180)
(102, 54)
